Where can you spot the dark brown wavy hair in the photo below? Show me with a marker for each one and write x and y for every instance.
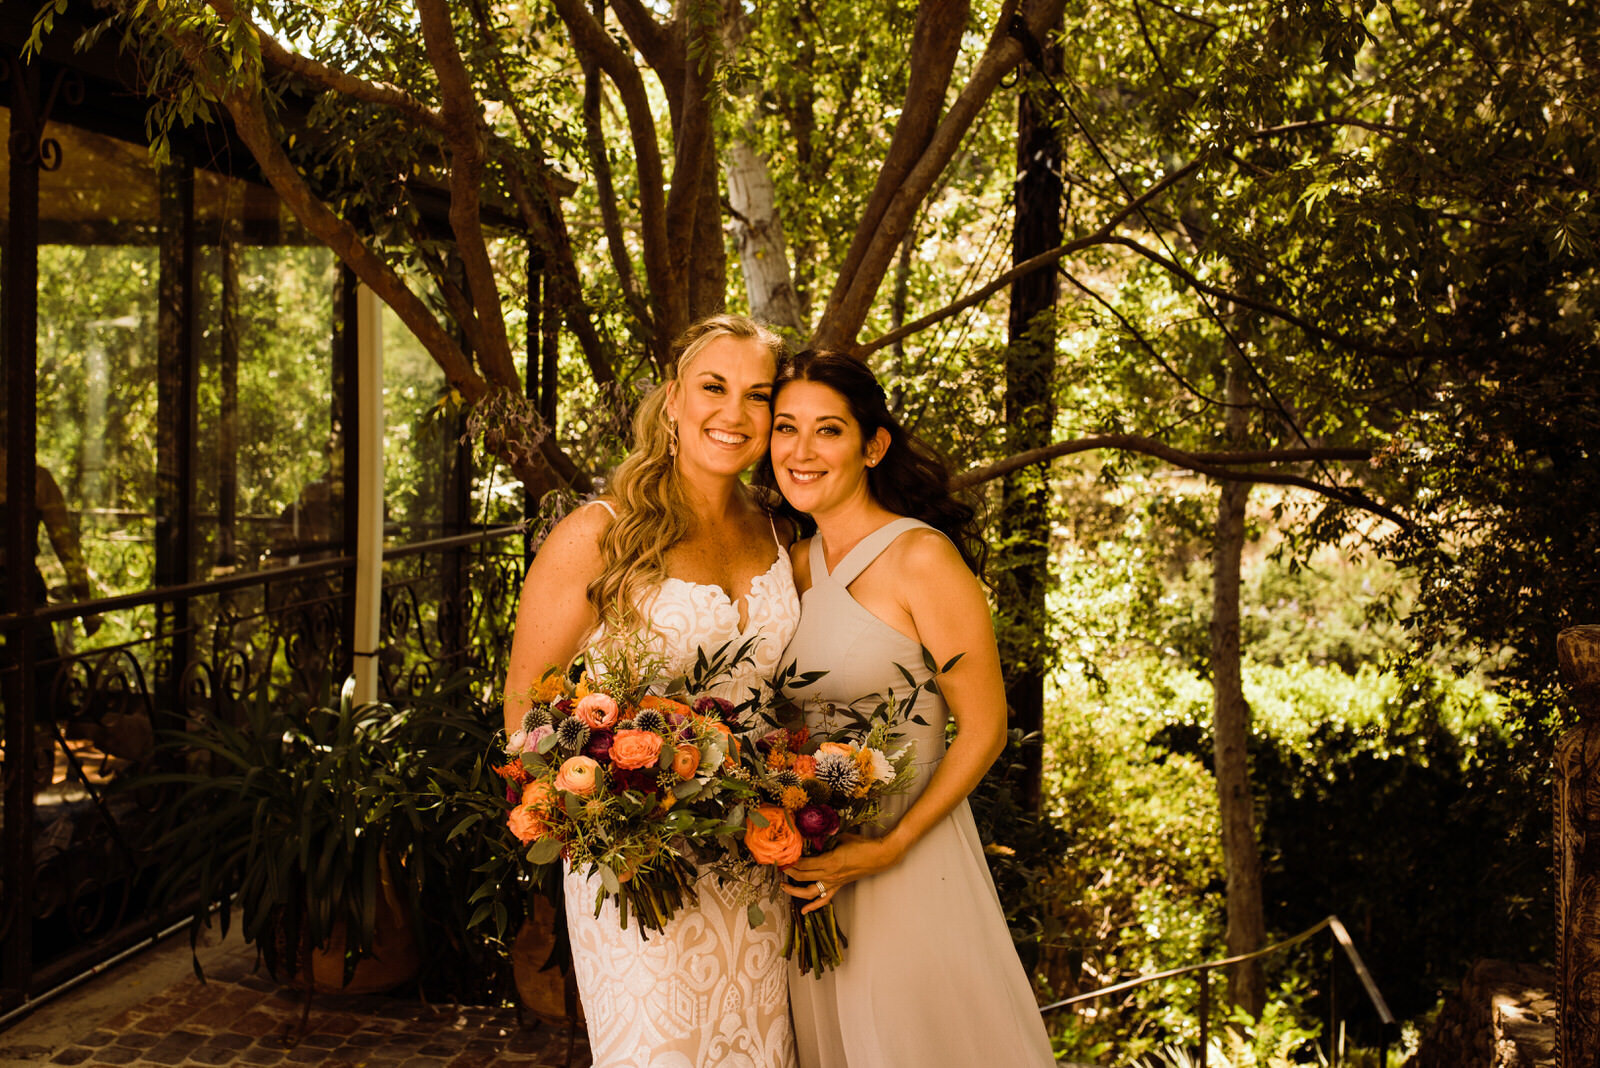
(912, 479)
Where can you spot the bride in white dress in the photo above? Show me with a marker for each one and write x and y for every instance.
(682, 552)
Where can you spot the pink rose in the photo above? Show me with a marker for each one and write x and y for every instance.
(597, 710)
(635, 749)
(577, 776)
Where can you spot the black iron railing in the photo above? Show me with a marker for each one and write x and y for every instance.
(76, 878)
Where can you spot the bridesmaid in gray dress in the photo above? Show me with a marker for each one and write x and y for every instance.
(930, 977)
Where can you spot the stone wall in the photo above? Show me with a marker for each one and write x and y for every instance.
(1504, 1016)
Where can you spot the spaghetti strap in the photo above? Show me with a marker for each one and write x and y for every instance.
(604, 504)
(867, 550)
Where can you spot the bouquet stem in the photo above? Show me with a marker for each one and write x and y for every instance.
(655, 895)
(815, 943)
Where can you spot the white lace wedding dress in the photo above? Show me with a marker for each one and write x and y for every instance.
(708, 991)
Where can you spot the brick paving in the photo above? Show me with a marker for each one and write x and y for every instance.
(238, 1018)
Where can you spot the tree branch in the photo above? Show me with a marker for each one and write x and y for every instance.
(1218, 465)
(692, 140)
(466, 133)
(935, 44)
(1026, 267)
(653, 40)
(342, 82)
(1262, 306)
(550, 231)
(606, 194)
(591, 38)
(853, 294)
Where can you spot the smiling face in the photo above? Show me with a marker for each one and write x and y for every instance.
(722, 403)
(819, 457)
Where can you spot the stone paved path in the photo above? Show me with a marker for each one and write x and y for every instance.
(237, 1018)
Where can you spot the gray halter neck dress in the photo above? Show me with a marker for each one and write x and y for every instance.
(930, 978)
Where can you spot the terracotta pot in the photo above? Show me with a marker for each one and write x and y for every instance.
(394, 959)
(543, 991)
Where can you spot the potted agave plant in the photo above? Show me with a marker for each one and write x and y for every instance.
(314, 823)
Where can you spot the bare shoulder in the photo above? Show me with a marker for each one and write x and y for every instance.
(926, 555)
(575, 541)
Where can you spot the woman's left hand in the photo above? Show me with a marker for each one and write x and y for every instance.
(817, 879)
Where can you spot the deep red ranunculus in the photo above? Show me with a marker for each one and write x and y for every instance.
(816, 821)
(598, 746)
(716, 706)
(640, 779)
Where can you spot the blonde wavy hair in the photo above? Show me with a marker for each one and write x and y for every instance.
(652, 509)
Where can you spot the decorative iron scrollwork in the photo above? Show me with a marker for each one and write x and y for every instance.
(28, 144)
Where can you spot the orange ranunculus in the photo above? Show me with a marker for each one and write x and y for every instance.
(665, 705)
(805, 766)
(528, 818)
(776, 843)
(635, 749)
(597, 710)
(577, 775)
(836, 747)
(686, 760)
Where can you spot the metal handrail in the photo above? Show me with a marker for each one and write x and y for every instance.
(245, 579)
(1330, 923)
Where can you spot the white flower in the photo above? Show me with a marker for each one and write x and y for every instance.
(515, 743)
(882, 770)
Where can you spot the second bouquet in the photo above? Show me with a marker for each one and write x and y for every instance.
(810, 791)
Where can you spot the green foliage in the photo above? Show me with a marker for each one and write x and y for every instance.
(294, 815)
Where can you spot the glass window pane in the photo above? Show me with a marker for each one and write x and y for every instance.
(99, 265)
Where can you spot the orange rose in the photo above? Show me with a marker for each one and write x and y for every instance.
(577, 776)
(836, 747)
(805, 766)
(776, 843)
(635, 749)
(686, 760)
(527, 820)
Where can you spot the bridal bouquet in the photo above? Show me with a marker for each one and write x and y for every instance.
(620, 775)
(809, 790)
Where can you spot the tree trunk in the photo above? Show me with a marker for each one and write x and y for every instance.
(763, 253)
(1231, 730)
(1024, 568)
